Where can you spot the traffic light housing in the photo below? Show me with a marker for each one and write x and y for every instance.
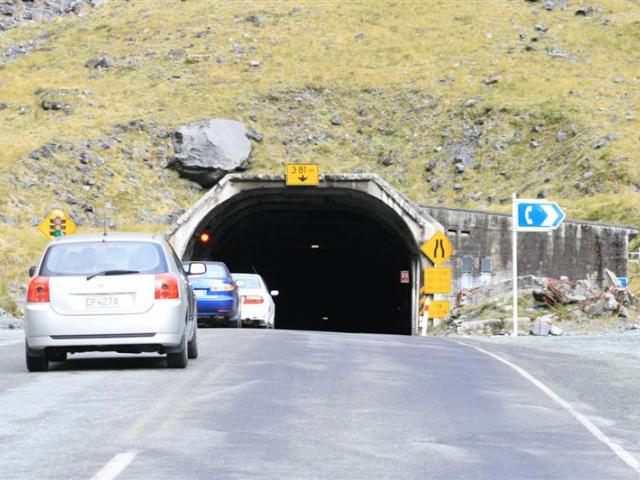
(57, 226)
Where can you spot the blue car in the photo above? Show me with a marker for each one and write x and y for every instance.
(216, 293)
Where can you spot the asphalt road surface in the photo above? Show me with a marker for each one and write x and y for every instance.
(280, 404)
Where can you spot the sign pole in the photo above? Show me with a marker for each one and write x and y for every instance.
(514, 261)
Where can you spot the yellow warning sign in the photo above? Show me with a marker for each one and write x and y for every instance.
(57, 224)
(439, 308)
(303, 174)
(438, 248)
(437, 280)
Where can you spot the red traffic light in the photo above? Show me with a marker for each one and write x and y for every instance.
(204, 237)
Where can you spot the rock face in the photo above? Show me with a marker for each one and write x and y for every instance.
(205, 151)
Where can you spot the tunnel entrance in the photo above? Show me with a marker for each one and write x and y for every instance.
(335, 253)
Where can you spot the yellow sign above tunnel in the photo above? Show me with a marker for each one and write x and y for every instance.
(303, 174)
(438, 248)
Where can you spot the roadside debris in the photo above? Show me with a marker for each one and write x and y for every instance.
(549, 302)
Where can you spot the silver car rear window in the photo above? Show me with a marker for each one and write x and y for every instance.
(87, 258)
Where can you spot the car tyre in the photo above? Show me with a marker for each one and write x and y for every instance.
(179, 359)
(192, 347)
(38, 363)
(58, 356)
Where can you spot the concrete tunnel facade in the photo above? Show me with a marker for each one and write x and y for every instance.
(335, 252)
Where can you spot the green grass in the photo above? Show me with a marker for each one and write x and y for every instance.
(411, 73)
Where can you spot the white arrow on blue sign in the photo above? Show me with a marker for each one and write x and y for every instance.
(538, 215)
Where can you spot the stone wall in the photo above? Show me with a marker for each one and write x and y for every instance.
(577, 250)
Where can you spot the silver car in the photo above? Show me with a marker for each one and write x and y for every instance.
(123, 292)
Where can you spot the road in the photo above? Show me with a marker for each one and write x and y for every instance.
(284, 404)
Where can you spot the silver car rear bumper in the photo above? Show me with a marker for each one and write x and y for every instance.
(163, 324)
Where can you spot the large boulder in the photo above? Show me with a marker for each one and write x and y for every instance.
(205, 151)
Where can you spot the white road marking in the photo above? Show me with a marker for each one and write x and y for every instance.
(115, 466)
(624, 455)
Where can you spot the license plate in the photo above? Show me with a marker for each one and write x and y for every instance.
(199, 293)
(102, 301)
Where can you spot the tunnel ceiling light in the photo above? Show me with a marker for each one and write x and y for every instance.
(204, 237)
(315, 246)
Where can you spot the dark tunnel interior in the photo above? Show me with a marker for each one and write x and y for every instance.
(335, 255)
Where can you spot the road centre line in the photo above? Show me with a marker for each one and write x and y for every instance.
(170, 394)
(623, 454)
(115, 466)
(209, 377)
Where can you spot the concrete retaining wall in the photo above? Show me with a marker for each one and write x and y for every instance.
(578, 250)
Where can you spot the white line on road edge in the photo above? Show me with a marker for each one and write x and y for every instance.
(115, 466)
(625, 456)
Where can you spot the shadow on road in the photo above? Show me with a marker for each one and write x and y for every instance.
(110, 363)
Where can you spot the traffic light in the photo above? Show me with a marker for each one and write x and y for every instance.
(204, 237)
(57, 226)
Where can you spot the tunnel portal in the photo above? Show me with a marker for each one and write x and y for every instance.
(335, 253)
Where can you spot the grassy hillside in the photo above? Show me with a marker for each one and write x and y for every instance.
(539, 102)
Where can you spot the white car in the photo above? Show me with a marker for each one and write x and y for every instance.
(115, 292)
(256, 301)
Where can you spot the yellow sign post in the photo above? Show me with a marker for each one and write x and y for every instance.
(303, 174)
(57, 224)
(437, 280)
(439, 308)
(438, 248)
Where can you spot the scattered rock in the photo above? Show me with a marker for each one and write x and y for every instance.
(561, 136)
(50, 105)
(584, 12)
(540, 28)
(500, 145)
(387, 159)
(470, 103)
(551, 5)
(99, 63)
(431, 165)
(7, 10)
(257, 20)
(254, 63)
(254, 135)
(540, 327)
(3, 106)
(459, 168)
(535, 143)
(587, 175)
(491, 80)
(618, 79)
(598, 144)
(457, 187)
(555, 52)
(336, 120)
(360, 36)
(205, 151)
(556, 331)
(435, 185)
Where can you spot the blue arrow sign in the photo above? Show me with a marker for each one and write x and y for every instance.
(538, 215)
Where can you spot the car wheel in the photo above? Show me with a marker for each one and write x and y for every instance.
(179, 359)
(192, 347)
(38, 363)
(58, 356)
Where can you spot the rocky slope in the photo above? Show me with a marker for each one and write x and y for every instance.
(460, 104)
